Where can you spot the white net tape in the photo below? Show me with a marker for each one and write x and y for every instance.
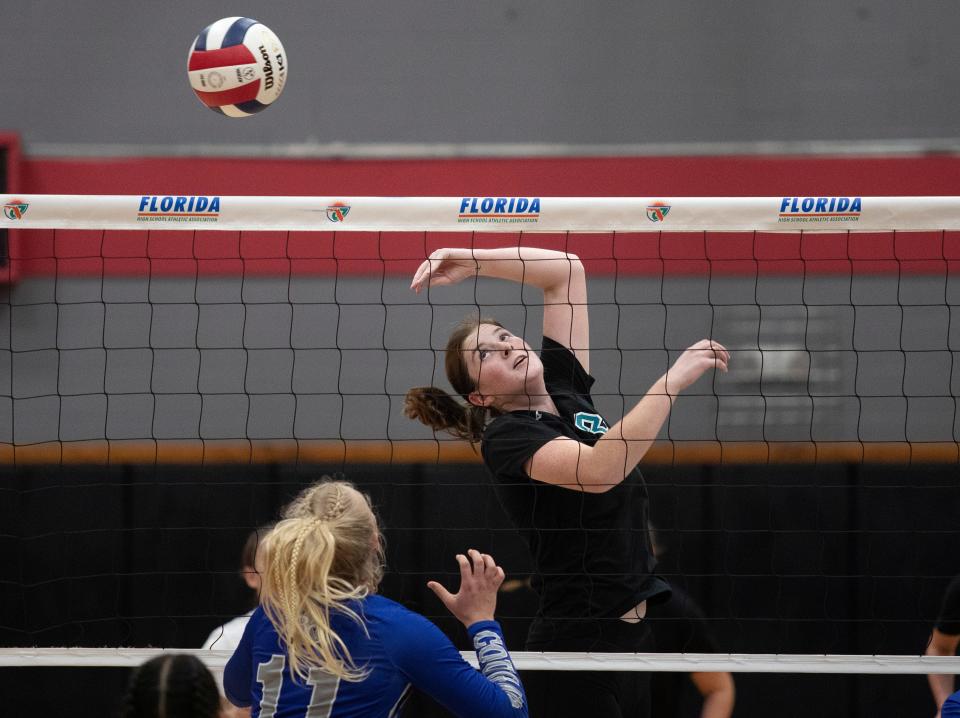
(488, 214)
(532, 661)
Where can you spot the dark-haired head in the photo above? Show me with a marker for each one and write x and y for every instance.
(441, 411)
(251, 561)
(173, 685)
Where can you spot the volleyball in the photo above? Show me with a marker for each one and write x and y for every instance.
(237, 66)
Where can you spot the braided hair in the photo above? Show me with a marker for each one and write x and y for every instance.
(172, 685)
(324, 553)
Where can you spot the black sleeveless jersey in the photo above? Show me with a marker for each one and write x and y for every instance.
(591, 551)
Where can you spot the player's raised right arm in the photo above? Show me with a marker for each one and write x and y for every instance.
(559, 274)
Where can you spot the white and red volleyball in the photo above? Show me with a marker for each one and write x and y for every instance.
(237, 66)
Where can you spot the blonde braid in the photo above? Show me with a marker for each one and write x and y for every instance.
(276, 579)
(335, 508)
(291, 600)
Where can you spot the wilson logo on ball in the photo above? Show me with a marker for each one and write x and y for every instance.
(237, 66)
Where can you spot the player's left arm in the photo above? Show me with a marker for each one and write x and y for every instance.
(941, 644)
(428, 658)
(718, 693)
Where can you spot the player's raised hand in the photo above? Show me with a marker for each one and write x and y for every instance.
(480, 578)
(444, 266)
(704, 355)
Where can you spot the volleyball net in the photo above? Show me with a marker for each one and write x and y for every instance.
(181, 365)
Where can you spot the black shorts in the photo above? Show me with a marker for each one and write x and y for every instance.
(614, 694)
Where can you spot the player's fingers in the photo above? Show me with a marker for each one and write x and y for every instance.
(476, 559)
(438, 259)
(443, 594)
(715, 351)
(717, 363)
(488, 563)
(417, 276)
(466, 571)
(427, 269)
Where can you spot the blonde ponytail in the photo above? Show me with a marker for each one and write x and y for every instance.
(323, 554)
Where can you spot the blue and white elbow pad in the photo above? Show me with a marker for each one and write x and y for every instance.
(495, 662)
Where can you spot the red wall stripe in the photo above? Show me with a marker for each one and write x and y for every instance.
(80, 253)
(176, 253)
(561, 177)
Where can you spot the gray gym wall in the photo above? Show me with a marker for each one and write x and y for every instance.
(499, 71)
(318, 359)
(92, 360)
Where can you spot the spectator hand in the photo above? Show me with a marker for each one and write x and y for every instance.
(480, 578)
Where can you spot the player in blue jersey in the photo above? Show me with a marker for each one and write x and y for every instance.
(566, 477)
(324, 644)
(951, 706)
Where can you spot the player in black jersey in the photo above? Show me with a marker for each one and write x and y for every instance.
(567, 478)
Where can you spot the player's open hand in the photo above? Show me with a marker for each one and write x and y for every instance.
(704, 355)
(444, 266)
(480, 578)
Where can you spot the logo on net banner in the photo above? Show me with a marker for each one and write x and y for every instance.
(820, 209)
(15, 209)
(658, 211)
(338, 211)
(173, 208)
(499, 210)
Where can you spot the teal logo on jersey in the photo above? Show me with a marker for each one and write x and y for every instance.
(592, 423)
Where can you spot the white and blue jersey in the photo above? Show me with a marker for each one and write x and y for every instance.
(402, 649)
